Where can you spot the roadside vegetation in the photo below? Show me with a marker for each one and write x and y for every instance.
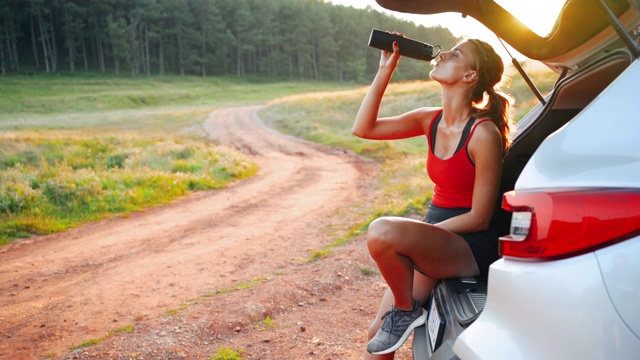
(110, 334)
(55, 180)
(227, 354)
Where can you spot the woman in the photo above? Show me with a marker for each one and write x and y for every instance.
(468, 137)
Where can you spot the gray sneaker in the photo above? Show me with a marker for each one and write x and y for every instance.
(395, 329)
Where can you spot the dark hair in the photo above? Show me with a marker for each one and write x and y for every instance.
(490, 69)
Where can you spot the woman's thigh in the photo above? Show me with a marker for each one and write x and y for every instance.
(434, 251)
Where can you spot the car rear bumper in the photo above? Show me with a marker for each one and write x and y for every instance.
(548, 310)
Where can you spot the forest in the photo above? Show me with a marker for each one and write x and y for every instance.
(274, 39)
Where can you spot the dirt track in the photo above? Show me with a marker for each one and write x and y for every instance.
(62, 290)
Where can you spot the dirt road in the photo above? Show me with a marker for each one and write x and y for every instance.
(155, 270)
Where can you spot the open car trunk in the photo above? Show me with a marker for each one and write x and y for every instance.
(578, 23)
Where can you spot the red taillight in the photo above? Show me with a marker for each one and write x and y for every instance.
(561, 224)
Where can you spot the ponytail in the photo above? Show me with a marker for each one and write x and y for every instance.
(496, 105)
(499, 109)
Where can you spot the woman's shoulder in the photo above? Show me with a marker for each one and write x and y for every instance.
(486, 124)
(426, 114)
(428, 110)
(485, 130)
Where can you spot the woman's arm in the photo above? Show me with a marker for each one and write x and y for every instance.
(367, 125)
(485, 149)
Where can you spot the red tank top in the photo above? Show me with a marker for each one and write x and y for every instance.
(453, 177)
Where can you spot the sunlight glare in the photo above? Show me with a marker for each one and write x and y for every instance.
(539, 15)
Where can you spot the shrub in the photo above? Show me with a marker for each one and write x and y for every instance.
(78, 186)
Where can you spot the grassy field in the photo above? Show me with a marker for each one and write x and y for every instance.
(80, 148)
(77, 149)
(165, 104)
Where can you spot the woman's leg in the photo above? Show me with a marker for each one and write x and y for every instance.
(422, 286)
(398, 245)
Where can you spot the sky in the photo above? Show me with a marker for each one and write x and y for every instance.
(538, 11)
(458, 25)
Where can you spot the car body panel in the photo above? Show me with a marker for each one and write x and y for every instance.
(525, 300)
(620, 266)
(589, 151)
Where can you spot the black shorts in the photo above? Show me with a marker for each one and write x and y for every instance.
(483, 244)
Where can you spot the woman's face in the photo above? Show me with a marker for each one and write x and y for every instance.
(454, 65)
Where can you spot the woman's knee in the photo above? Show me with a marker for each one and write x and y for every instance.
(380, 235)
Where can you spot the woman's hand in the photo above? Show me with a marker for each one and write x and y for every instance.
(367, 125)
(389, 60)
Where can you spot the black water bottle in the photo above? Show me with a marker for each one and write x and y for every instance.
(408, 47)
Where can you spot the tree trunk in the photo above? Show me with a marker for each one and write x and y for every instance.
(134, 52)
(146, 49)
(239, 67)
(84, 55)
(204, 53)
(72, 64)
(94, 51)
(180, 60)
(14, 45)
(100, 53)
(272, 64)
(301, 72)
(253, 62)
(12, 39)
(290, 67)
(8, 44)
(53, 45)
(34, 45)
(160, 58)
(142, 61)
(116, 63)
(44, 45)
(314, 63)
(2, 68)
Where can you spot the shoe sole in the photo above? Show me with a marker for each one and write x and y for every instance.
(417, 322)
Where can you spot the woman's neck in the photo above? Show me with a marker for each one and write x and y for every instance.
(456, 108)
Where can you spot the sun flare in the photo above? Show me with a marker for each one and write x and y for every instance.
(539, 16)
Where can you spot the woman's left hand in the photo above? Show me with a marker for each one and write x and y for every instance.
(389, 60)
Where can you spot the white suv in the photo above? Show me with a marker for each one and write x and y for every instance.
(568, 283)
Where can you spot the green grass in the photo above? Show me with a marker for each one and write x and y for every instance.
(241, 286)
(50, 181)
(50, 94)
(227, 354)
(170, 103)
(110, 334)
(366, 271)
(266, 323)
(319, 254)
